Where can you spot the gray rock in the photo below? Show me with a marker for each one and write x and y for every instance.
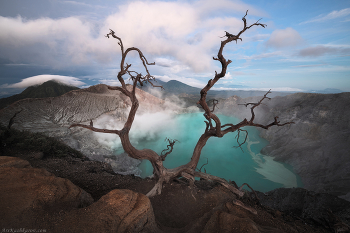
(53, 116)
(318, 207)
(317, 145)
(123, 164)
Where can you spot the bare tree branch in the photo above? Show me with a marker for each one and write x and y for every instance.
(215, 102)
(256, 105)
(90, 127)
(200, 169)
(238, 136)
(169, 147)
(213, 123)
(256, 196)
(223, 182)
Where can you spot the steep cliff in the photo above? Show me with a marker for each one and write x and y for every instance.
(317, 145)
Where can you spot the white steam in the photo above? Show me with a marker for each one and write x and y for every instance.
(148, 125)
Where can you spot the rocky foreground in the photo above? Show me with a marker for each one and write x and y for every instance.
(79, 195)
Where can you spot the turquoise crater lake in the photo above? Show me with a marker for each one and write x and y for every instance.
(225, 161)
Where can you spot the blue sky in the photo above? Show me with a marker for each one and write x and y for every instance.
(305, 46)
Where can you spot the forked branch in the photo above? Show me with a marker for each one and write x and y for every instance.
(213, 123)
(238, 136)
(169, 148)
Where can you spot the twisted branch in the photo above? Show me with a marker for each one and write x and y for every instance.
(256, 105)
(169, 147)
(238, 136)
(200, 169)
(90, 127)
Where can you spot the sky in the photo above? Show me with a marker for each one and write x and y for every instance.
(305, 46)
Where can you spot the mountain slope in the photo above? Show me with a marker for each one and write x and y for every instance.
(317, 145)
(174, 87)
(52, 116)
(50, 88)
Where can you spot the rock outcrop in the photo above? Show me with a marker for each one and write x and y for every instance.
(317, 145)
(33, 198)
(321, 208)
(25, 191)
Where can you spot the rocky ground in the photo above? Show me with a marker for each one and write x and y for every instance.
(78, 195)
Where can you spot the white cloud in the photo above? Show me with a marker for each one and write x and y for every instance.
(171, 66)
(208, 7)
(185, 32)
(263, 55)
(45, 40)
(321, 50)
(40, 79)
(175, 29)
(330, 16)
(312, 65)
(227, 76)
(82, 4)
(284, 38)
(111, 82)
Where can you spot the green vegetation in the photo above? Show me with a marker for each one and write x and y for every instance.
(12, 139)
(47, 89)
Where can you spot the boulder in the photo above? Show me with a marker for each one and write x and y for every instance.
(322, 208)
(26, 190)
(120, 210)
(34, 198)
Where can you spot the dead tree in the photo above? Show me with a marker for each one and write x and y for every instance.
(214, 128)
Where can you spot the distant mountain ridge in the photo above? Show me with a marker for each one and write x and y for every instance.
(174, 87)
(50, 88)
(327, 91)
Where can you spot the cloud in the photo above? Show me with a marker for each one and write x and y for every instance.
(282, 38)
(227, 76)
(55, 42)
(82, 4)
(263, 55)
(40, 79)
(330, 16)
(257, 37)
(321, 50)
(184, 32)
(208, 7)
(169, 65)
(306, 66)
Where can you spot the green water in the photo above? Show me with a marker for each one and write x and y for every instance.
(247, 166)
